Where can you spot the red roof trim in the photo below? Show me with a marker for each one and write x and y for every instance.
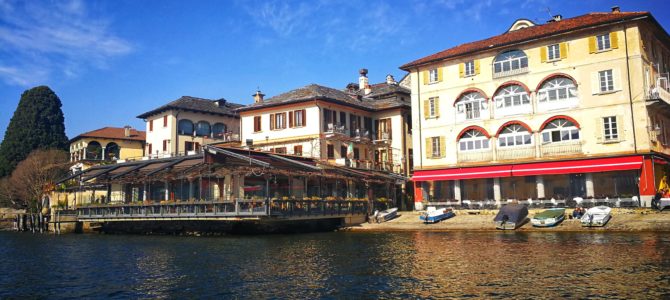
(560, 117)
(463, 173)
(512, 82)
(470, 90)
(551, 76)
(524, 125)
(475, 127)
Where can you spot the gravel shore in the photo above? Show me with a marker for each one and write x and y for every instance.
(623, 220)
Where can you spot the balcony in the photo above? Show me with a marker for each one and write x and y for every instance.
(510, 72)
(383, 137)
(510, 153)
(561, 148)
(333, 129)
(361, 135)
(226, 137)
(659, 93)
(473, 156)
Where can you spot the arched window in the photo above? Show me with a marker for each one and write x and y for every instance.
(185, 127)
(473, 140)
(470, 105)
(510, 61)
(557, 89)
(112, 151)
(93, 151)
(218, 130)
(560, 130)
(202, 129)
(511, 96)
(515, 135)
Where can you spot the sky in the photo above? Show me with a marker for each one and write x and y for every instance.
(109, 61)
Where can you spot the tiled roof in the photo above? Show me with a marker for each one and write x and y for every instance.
(115, 133)
(529, 33)
(197, 105)
(319, 92)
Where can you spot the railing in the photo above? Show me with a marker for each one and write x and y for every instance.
(361, 135)
(507, 153)
(239, 208)
(510, 72)
(468, 156)
(227, 137)
(332, 128)
(383, 136)
(561, 148)
(659, 93)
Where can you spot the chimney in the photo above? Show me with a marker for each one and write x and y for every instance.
(390, 80)
(258, 97)
(363, 79)
(616, 9)
(220, 102)
(126, 131)
(557, 18)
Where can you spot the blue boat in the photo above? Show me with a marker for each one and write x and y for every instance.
(434, 215)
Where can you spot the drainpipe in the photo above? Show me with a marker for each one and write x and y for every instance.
(630, 93)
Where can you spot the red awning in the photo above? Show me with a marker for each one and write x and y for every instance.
(463, 173)
(579, 166)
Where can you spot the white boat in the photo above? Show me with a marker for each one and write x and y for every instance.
(597, 216)
(385, 215)
(434, 215)
(549, 217)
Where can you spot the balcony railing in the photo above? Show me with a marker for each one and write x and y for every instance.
(471, 156)
(383, 137)
(508, 153)
(334, 128)
(659, 93)
(226, 137)
(561, 148)
(361, 135)
(510, 72)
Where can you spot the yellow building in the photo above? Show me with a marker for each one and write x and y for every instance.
(572, 110)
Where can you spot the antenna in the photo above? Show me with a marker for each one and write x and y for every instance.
(551, 16)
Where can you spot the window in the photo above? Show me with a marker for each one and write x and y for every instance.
(165, 142)
(610, 129)
(469, 68)
(165, 118)
(470, 105)
(606, 81)
(511, 96)
(557, 89)
(343, 151)
(299, 118)
(560, 130)
(553, 52)
(297, 150)
(149, 148)
(151, 125)
(189, 146)
(280, 150)
(202, 128)
(435, 145)
(331, 151)
(257, 123)
(514, 135)
(603, 42)
(433, 76)
(473, 140)
(218, 130)
(432, 106)
(510, 61)
(356, 153)
(185, 127)
(277, 121)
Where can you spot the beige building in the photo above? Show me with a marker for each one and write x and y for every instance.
(574, 109)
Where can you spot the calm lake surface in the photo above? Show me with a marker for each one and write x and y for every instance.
(337, 265)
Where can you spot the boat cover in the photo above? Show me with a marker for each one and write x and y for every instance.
(515, 213)
(550, 213)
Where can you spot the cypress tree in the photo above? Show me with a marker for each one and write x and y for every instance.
(37, 123)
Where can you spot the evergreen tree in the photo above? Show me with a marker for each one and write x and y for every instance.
(37, 123)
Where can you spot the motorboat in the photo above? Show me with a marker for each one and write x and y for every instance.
(597, 216)
(511, 216)
(549, 217)
(434, 215)
(385, 215)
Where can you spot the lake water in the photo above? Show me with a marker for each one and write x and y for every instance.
(337, 265)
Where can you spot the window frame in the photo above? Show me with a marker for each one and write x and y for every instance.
(299, 121)
(297, 150)
(432, 113)
(473, 138)
(508, 92)
(330, 151)
(257, 124)
(518, 135)
(433, 76)
(435, 144)
(555, 53)
(606, 43)
(560, 130)
(609, 82)
(557, 88)
(469, 68)
(499, 62)
(610, 129)
(197, 127)
(472, 99)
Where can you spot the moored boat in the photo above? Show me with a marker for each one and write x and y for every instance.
(549, 217)
(385, 215)
(434, 215)
(597, 216)
(511, 216)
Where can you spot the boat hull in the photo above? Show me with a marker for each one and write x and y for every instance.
(429, 219)
(551, 222)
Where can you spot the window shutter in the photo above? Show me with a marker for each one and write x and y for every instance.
(461, 70)
(543, 53)
(426, 109)
(304, 118)
(619, 128)
(443, 146)
(437, 107)
(595, 83)
(564, 50)
(459, 107)
(600, 128)
(476, 66)
(272, 121)
(592, 44)
(388, 127)
(429, 148)
(439, 74)
(616, 77)
(425, 77)
(290, 119)
(283, 121)
(614, 40)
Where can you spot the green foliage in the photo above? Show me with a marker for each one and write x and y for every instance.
(37, 123)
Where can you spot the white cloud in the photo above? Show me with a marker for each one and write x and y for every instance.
(39, 40)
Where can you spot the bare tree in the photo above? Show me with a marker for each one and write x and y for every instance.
(35, 176)
(6, 193)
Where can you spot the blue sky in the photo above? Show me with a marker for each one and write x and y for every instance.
(110, 61)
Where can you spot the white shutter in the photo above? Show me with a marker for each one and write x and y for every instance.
(595, 83)
(600, 128)
(620, 128)
(616, 77)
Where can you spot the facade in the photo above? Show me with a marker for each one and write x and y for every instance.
(365, 126)
(107, 144)
(182, 126)
(572, 109)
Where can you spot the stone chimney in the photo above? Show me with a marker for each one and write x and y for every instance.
(258, 97)
(220, 102)
(390, 80)
(557, 18)
(363, 80)
(616, 9)
(126, 131)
